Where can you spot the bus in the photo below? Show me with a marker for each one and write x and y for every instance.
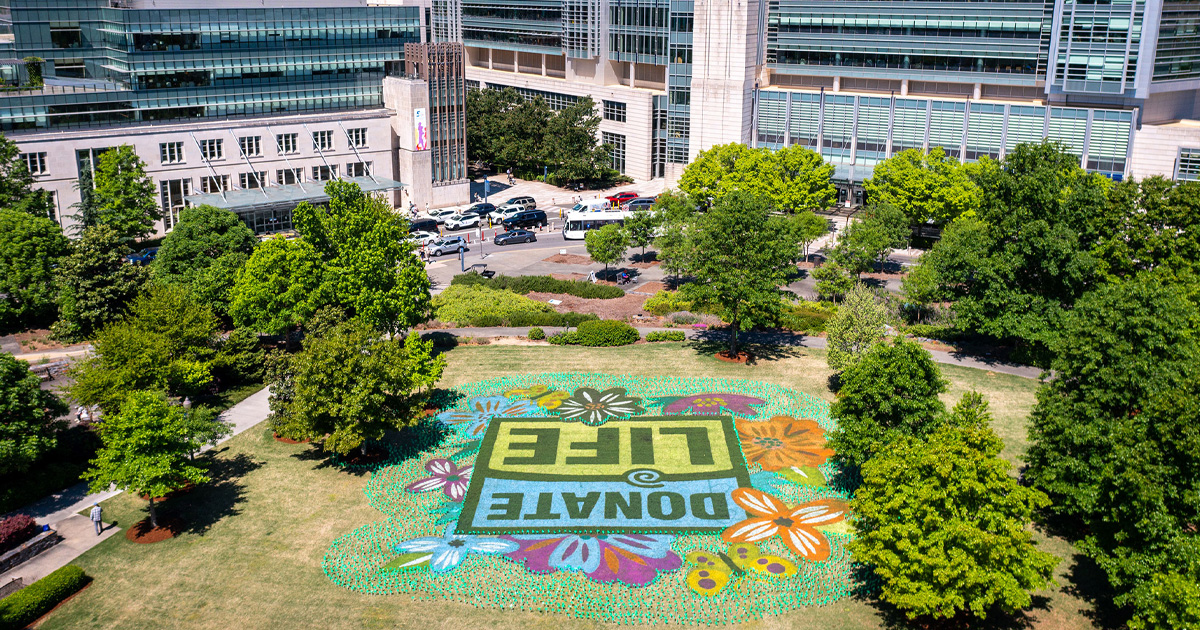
(578, 223)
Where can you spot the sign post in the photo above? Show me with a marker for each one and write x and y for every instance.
(487, 188)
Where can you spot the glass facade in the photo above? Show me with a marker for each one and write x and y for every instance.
(1178, 55)
(1097, 47)
(133, 65)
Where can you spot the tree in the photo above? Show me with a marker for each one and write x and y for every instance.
(485, 120)
(858, 324)
(125, 197)
(86, 212)
(573, 153)
(204, 427)
(27, 416)
(946, 528)
(167, 343)
(279, 287)
(607, 245)
(1151, 224)
(30, 248)
(675, 213)
(740, 256)
(871, 240)
(798, 179)
(1123, 344)
(239, 357)
(927, 187)
(350, 385)
(95, 284)
(921, 288)
(809, 227)
(522, 139)
(640, 227)
(146, 448)
(833, 280)
(204, 251)
(794, 178)
(371, 263)
(889, 394)
(16, 184)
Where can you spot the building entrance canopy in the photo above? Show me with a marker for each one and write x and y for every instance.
(285, 197)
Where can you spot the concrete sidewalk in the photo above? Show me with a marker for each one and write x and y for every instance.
(78, 535)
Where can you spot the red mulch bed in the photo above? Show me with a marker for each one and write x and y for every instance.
(742, 357)
(278, 438)
(650, 287)
(568, 259)
(143, 533)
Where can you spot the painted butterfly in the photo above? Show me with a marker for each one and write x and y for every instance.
(546, 398)
(711, 571)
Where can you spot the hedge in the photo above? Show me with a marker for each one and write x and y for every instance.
(475, 305)
(26, 605)
(564, 338)
(665, 302)
(666, 335)
(15, 530)
(606, 332)
(805, 317)
(536, 333)
(540, 284)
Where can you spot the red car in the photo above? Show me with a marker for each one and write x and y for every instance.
(621, 197)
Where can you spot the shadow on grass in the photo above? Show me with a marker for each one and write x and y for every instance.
(762, 346)
(207, 504)
(395, 447)
(1087, 581)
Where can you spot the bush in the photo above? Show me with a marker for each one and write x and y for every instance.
(607, 332)
(15, 530)
(666, 335)
(665, 302)
(536, 333)
(26, 605)
(564, 339)
(806, 317)
(466, 304)
(927, 331)
(684, 318)
(539, 284)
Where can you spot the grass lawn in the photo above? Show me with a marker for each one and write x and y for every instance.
(252, 555)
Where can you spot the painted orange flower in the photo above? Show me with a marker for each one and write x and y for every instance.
(797, 526)
(782, 442)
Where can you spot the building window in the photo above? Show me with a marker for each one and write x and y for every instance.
(323, 140)
(614, 111)
(357, 137)
(285, 176)
(616, 149)
(287, 143)
(214, 183)
(35, 162)
(251, 146)
(358, 169)
(253, 180)
(212, 149)
(324, 173)
(170, 152)
(173, 192)
(1188, 165)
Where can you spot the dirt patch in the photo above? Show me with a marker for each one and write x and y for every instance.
(742, 357)
(568, 259)
(626, 308)
(36, 340)
(650, 287)
(279, 438)
(142, 533)
(569, 276)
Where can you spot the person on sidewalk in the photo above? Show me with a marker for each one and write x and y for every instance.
(97, 513)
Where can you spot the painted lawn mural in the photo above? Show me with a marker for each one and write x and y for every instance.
(628, 499)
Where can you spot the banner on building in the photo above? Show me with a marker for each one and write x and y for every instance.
(421, 129)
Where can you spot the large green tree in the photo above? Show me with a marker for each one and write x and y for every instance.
(889, 394)
(927, 187)
(370, 262)
(349, 385)
(573, 153)
(279, 287)
(30, 249)
(675, 214)
(809, 227)
(869, 241)
(607, 245)
(124, 196)
(27, 416)
(146, 450)
(95, 284)
(204, 251)
(740, 256)
(859, 323)
(946, 527)
(791, 179)
(1149, 224)
(16, 184)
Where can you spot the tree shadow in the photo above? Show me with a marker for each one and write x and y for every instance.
(1088, 582)
(395, 447)
(761, 346)
(207, 504)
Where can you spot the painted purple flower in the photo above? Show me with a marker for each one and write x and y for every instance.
(713, 403)
(446, 476)
(632, 559)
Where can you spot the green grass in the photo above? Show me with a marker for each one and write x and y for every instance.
(252, 558)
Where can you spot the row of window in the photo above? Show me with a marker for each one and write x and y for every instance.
(283, 177)
(251, 146)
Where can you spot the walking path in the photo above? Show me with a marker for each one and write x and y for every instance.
(61, 510)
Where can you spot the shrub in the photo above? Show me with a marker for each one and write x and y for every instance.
(607, 332)
(666, 335)
(26, 605)
(15, 530)
(806, 317)
(665, 302)
(564, 339)
(684, 318)
(465, 304)
(536, 333)
(540, 284)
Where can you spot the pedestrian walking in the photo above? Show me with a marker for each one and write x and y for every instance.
(84, 416)
(97, 515)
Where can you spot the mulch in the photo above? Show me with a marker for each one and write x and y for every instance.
(278, 438)
(568, 259)
(143, 533)
(623, 308)
(742, 357)
(650, 287)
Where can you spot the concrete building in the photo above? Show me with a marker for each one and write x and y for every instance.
(856, 80)
(249, 108)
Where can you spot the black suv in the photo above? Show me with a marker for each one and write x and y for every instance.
(526, 219)
(423, 225)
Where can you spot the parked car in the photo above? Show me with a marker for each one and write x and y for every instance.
(143, 257)
(527, 219)
(640, 203)
(446, 245)
(515, 236)
(423, 225)
(460, 221)
(505, 211)
(441, 214)
(526, 202)
(480, 209)
(424, 238)
(621, 197)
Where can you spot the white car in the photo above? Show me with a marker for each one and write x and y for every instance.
(424, 238)
(505, 211)
(442, 214)
(460, 221)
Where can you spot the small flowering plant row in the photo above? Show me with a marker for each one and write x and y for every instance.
(788, 551)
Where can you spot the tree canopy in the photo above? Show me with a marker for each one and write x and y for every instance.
(95, 284)
(27, 416)
(926, 187)
(125, 198)
(16, 184)
(607, 245)
(204, 251)
(858, 325)
(794, 178)
(30, 249)
(279, 287)
(870, 240)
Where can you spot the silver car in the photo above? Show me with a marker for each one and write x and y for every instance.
(446, 245)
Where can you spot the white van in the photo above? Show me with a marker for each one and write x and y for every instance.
(592, 205)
